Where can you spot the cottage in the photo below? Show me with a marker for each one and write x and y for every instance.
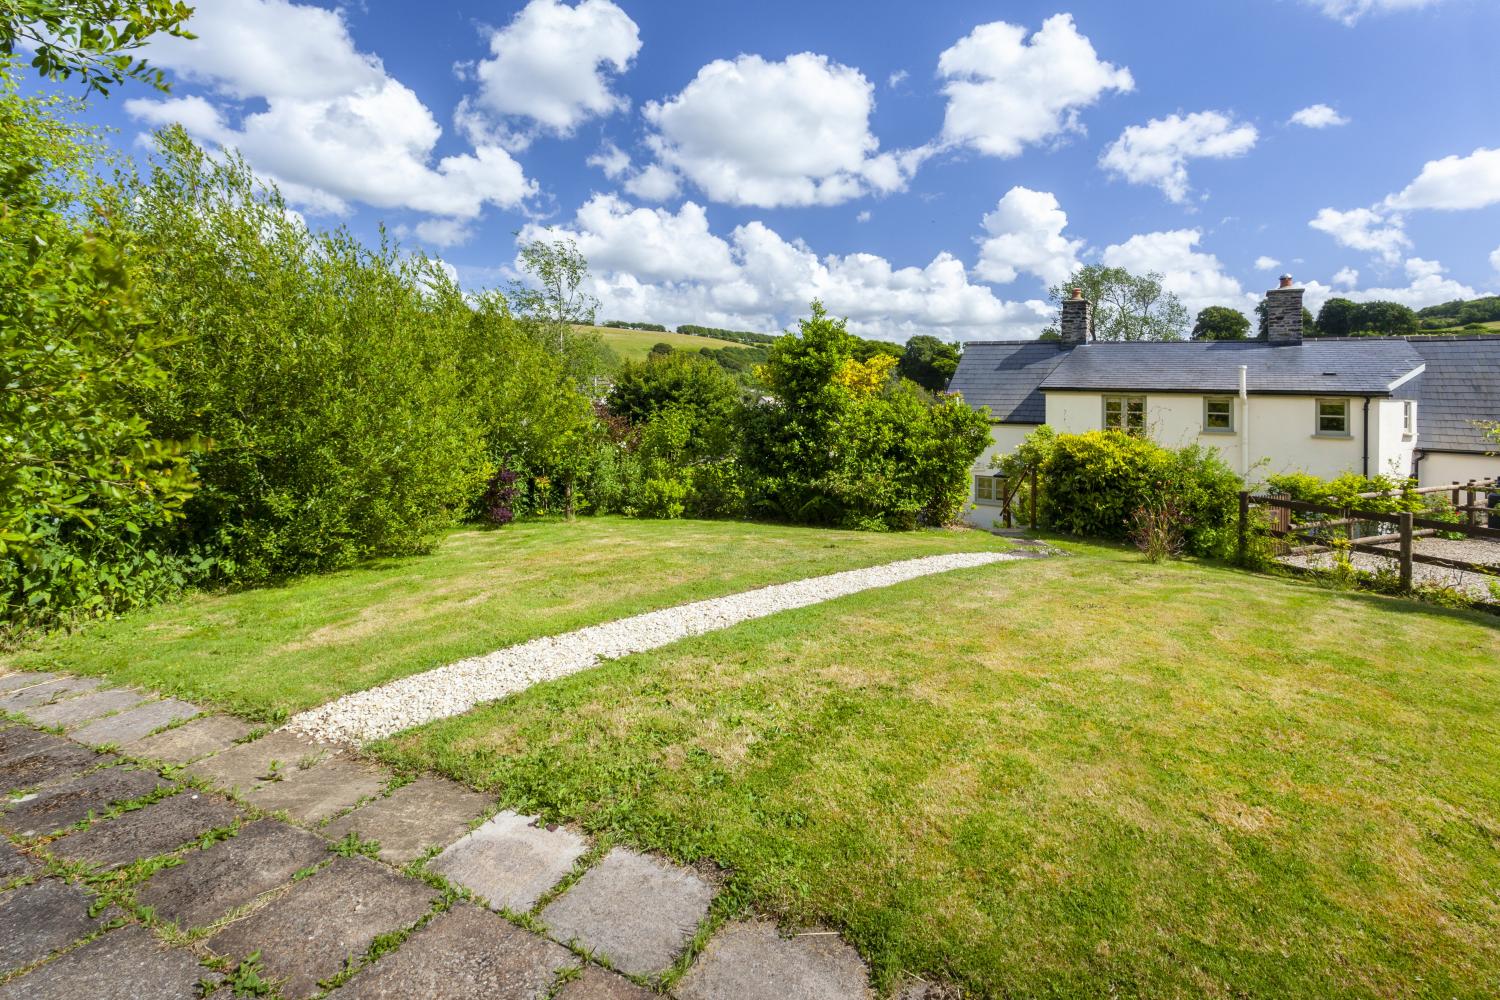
(1398, 406)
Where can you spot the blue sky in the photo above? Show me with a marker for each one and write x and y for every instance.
(922, 168)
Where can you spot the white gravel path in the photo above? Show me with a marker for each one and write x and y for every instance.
(458, 687)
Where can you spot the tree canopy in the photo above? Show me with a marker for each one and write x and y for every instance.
(929, 362)
(1221, 323)
(1126, 306)
(91, 39)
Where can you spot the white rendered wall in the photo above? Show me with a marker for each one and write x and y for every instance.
(1003, 439)
(1439, 467)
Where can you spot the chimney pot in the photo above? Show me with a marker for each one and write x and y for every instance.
(1286, 281)
(1077, 294)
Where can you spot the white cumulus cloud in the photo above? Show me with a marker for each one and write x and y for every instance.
(334, 127)
(553, 64)
(1495, 260)
(750, 131)
(1366, 230)
(1024, 234)
(1427, 285)
(654, 183)
(1454, 183)
(1350, 11)
(1195, 277)
(1266, 263)
(1158, 152)
(669, 267)
(1318, 116)
(1006, 92)
(611, 159)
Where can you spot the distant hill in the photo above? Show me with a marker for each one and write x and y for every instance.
(635, 345)
(1463, 315)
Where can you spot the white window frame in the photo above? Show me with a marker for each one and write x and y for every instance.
(1318, 417)
(991, 485)
(1408, 418)
(1125, 423)
(1229, 402)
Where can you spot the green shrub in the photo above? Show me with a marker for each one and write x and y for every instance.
(329, 377)
(1095, 483)
(89, 488)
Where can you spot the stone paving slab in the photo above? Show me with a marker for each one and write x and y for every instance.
(126, 964)
(144, 833)
(75, 711)
(19, 742)
(309, 934)
(210, 883)
(21, 679)
(637, 911)
(135, 723)
(187, 743)
(313, 794)
(245, 765)
(509, 861)
(464, 954)
(599, 984)
(60, 807)
(40, 694)
(429, 812)
(751, 961)
(13, 864)
(53, 763)
(38, 919)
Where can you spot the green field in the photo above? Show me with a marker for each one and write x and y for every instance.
(269, 651)
(634, 345)
(1077, 777)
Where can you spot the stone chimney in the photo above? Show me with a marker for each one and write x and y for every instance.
(1284, 313)
(1077, 320)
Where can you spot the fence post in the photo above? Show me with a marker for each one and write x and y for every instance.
(1455, 496)
(1473, 504)
(1244, 526)
(1033, 498)
(1406, 551)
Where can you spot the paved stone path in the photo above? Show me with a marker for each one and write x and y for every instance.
(159, 866)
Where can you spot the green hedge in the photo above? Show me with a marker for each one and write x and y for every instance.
(1094, 483)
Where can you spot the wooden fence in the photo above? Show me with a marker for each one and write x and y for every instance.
(1343, 526)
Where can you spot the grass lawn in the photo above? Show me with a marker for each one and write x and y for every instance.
(635, 345)
(1080, 777)
(266, 652)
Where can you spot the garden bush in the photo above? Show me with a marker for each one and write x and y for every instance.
(329, 378)
(1095, 483)
(89, 489)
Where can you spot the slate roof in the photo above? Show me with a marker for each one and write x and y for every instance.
(1007, 377)
(1311, 368)
(1460, 385)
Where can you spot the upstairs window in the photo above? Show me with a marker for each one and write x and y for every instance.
(1333, 418)
(1218, 415)
(1125, 413)
(1409, 418)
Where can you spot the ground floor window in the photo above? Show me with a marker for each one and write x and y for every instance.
(1218, 414)
(1333, 417)
(987, 489)
(1125, 413)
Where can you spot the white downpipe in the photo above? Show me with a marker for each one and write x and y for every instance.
(1245, 421)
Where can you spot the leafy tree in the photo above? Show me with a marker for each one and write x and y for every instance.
(558, 299)
(1221, 323)
(843, 442)
(929, 362)
(1385, 319)
(91, 39)
(1338, 318)
(88, 486)
(335, 381)
(1126, 306)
